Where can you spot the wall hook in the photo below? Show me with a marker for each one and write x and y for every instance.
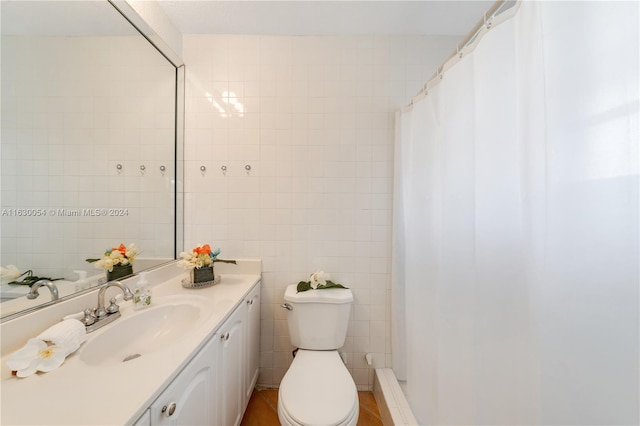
(203, 170)
(224, 169)
(247, 167)
(119, 168)
(142, 169)
(162, 170)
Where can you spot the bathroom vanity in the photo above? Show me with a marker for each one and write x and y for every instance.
(190, 358)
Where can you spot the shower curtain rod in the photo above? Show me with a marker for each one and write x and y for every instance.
(485, 21)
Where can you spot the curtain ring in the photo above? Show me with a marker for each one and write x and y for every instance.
(487, 22)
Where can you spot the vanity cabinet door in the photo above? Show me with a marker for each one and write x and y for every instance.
(190, 399)
(144, 420)
(252, 302)
(231, 361)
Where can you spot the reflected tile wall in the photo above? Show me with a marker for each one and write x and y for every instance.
(314, 118)
(73, 108)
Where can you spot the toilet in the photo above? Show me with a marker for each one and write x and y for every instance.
(318, 390)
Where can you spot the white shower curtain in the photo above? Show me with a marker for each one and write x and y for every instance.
(516, 225)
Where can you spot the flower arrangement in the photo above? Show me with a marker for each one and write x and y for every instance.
(318, 281)
(117, 256)
(200, 257)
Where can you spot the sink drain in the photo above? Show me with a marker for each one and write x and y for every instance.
(130, 357)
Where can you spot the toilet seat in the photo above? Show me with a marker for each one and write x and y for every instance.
(318, 390)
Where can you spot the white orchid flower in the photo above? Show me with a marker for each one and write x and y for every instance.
(11, 272)
(317, 278)
(36, 355)
(187, 260)
(132, 252)
(105, 263)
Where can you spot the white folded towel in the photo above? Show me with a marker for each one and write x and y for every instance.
(69, 334)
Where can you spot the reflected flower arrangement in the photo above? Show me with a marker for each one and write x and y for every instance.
(121, 255)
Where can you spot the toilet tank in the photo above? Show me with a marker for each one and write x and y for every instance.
(318, 319)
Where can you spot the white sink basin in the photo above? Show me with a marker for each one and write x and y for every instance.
(154, 328)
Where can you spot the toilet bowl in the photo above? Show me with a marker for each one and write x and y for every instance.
(318, 390)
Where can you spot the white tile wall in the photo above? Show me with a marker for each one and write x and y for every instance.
(314, 118)
(73, 108)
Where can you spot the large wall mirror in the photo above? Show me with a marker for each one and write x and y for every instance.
(89, 146)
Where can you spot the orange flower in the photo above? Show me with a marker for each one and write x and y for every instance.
(122, 249)
(205, 249)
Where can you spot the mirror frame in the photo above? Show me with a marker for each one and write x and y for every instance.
(145, 30)
(140, 25)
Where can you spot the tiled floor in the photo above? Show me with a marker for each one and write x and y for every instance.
(263, 409)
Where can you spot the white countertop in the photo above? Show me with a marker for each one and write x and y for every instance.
(118, 393)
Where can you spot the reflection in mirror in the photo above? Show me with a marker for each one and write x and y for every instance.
(87, 146)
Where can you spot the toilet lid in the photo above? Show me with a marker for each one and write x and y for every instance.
(318, 389)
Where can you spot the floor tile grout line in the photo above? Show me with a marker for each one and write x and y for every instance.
(377, 416)
(268, 401)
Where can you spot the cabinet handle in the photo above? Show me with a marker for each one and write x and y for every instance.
(224, 337)
(168, 411)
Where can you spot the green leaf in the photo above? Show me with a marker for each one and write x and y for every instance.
(330, 284)
(303, 286)
(32, 279)
(91, 260)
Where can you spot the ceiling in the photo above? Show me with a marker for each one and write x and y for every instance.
(445, 17)
(61, 18)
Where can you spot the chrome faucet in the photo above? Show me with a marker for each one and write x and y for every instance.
(100, 310)
(33, 292)
(100, 316)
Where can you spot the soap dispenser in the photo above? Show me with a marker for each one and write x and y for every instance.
(142, 293)
(82, 282)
